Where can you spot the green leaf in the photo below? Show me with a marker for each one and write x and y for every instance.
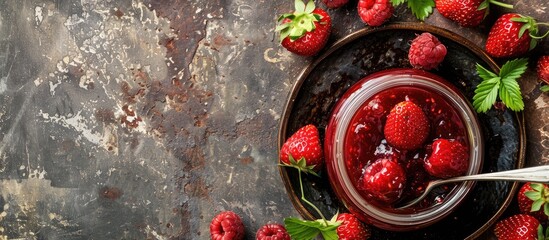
(301, 229)
(510, 90)
(536, 205)
(310, 6)
(546, 211)
(544, 88)
(533, 195)
(483, 5)
(421, 8)
(486, 94)
(540, 233)
(397, 2)
(485, 73)
(509, 93)
(538, 187)
(299, 6)
(513, 69)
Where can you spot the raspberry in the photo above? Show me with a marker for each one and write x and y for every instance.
(543, 68)
(375, 12)
(227, 225)
(426, 52)
(272, 232)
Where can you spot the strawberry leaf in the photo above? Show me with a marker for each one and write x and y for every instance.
(299, 6)
(546, 211)
(510, 90)
(397, 2)
(505, 85)
(421, 8)
(303, 229)
(544, 88)
(486, 94)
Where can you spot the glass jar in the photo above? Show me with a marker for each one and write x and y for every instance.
(370, 100)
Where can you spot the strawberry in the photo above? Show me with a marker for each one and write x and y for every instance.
(306, 31)
(226, 225)
(511, 36)
(518, 227)
(272, 232)
(542, 69)
(304, 145)
(447, 159)
(375, 12)
(384, 180)
(532, 199)
(426, 52)
(335, 3)
(466, 13)
(407, 126)
(351, 228)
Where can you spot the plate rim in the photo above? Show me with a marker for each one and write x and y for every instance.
(412, 26)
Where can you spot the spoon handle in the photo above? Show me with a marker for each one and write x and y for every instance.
(530, 174)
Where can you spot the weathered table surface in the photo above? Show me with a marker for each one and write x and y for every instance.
(142, 119)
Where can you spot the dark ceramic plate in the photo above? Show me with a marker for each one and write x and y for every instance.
(322, 83)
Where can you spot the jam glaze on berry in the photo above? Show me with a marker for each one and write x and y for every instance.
(364, 142)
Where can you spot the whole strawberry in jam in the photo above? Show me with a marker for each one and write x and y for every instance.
(226, 225)
(518, 227)
(306, 31)
(351, 228)
(426, 52)
(407, 126)
(375, 12)
(510, 36)
(448, 159)
(467, 13)
(272, 231)
(533, 198)
(384, 180)
(303, 150)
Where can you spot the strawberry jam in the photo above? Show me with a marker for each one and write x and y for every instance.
(365, 142)
(355, 139)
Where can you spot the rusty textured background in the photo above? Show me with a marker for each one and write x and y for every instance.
(141, 119)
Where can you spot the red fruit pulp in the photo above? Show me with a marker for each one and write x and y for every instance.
(364, 141)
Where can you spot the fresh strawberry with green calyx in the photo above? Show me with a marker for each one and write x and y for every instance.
(503, 85)
(306, 31)
(303, 150)
(542, 69)
(513, 35)
(449, 158)
(533, 199)
(351, 228)
(467, 13)
(519, 227)
(407, 126)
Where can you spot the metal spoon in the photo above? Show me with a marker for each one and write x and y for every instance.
(530, 174)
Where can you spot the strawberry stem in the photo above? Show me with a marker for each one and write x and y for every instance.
(307, 201)
(505, 5)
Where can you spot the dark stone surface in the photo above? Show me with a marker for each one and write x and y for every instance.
(130, 119)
